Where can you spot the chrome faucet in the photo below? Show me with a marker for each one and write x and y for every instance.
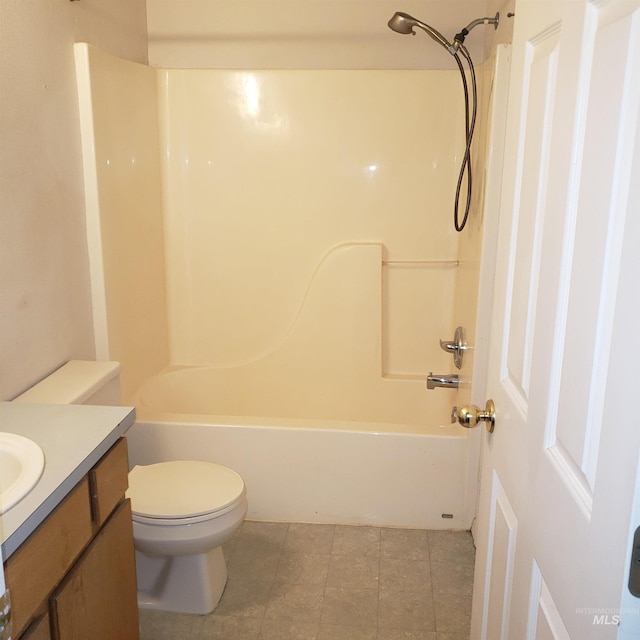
(446, 381)
(456, 347)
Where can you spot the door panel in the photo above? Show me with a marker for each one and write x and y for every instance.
(537, 93)
(584, 328)
(503, 534)
(551, 500)
(547, 623)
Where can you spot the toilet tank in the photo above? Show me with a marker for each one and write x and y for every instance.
(78, 382)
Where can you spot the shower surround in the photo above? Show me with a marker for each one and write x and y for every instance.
(276, 249)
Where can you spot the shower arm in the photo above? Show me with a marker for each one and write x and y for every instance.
(459, 37)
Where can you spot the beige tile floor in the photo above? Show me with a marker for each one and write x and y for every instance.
(334, 582)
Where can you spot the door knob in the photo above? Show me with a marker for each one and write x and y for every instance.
(470, 415)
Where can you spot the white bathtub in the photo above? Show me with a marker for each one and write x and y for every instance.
(327, 469)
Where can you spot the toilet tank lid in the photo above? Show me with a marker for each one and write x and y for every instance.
(182, 489)
(72, 383)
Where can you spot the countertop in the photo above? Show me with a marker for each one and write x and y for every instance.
(73, 438)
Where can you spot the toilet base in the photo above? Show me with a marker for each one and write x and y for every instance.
(182, 584)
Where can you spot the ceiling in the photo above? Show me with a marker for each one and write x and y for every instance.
(322, 34)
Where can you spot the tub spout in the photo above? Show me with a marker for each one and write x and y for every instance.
(439, 380)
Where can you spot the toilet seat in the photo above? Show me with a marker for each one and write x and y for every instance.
(183, 491)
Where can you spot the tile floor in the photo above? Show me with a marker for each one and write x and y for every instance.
(334, 582)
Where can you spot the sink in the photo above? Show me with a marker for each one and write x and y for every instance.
(21, 465)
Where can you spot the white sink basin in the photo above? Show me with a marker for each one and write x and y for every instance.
(21, 465)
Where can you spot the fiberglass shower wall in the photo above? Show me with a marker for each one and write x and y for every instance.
(121, 157)
(268, 173)
(278, 188)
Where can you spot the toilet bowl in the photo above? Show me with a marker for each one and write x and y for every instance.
(183, 511)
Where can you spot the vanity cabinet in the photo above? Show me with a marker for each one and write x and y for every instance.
(38, 630)
(74, 577)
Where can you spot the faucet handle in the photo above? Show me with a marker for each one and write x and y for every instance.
(456, 347)
(448, 345)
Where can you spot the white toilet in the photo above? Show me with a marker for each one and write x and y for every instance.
(183, 511)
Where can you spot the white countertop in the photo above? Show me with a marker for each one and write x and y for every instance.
(73, 438)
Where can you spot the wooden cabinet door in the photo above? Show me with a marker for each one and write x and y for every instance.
(98, 598)
(108, 481)
(38, 630)
(34, 570)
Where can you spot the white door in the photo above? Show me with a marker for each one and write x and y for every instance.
(559, 472)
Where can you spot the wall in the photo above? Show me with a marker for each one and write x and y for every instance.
(315, 34)
(267, 173)
(44, 284)
(305, 241)
(44, 279)
(121, 152)
(254, 35)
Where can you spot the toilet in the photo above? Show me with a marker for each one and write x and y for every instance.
(183, 510)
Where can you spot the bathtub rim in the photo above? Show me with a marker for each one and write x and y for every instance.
(145, 415)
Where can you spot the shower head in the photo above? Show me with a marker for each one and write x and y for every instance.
(404, 23)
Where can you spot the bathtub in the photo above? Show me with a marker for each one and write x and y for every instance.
(331, 468)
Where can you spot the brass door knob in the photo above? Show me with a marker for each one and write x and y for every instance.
(470, 415)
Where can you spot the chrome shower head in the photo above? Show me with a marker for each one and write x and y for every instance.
(404, 23)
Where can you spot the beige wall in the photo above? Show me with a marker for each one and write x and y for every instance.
(267, 173)
(337, 35)
(121, 152)
(45, 306)
(305, 238)
(45, 311)
(314, 34)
